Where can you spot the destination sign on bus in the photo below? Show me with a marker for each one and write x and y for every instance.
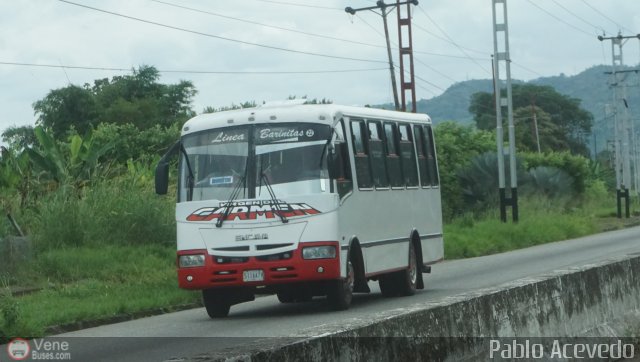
(267, 134)
(292, 133)
(253, 210)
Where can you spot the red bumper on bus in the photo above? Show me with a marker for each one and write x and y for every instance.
(280, 268)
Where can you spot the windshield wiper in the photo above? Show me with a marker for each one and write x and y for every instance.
(234, 195)
(191, 177)
(274, 200)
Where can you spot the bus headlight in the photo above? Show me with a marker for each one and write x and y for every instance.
(190, 261)
(319, 252)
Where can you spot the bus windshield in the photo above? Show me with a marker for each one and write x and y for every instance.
(289, 157)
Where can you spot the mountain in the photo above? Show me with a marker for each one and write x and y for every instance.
(591, 86)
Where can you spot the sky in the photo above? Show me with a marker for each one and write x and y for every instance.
(236, 51)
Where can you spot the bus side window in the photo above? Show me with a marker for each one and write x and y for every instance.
(423, 168)
(377, 156)
(360, 154)
(431, 157)
(393, 160)
(344, 181)
(408, 156)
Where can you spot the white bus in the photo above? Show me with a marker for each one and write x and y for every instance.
(303, 201)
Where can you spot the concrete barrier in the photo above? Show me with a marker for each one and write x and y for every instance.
(597, 300)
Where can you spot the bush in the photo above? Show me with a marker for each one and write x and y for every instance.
(576, 166)
(132, 143)
(457, 145)
(123, 211)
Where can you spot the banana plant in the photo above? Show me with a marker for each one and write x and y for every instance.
(15, 173)
(74, 162)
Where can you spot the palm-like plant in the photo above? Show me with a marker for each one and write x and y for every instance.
(75, 162)
(551, 182)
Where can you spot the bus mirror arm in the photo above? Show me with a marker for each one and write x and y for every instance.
(162, 170)
(335, 161)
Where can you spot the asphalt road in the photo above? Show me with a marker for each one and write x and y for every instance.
(191, 332)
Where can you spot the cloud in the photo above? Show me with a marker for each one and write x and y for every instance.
(53, 32)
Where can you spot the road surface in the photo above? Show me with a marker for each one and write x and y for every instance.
(266, 317)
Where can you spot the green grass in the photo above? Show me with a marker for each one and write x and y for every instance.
(493, 236)
(540, 221)
(88, 283)
(109, 251)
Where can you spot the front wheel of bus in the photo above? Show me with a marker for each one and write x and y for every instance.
(216, 306)
(341, 292)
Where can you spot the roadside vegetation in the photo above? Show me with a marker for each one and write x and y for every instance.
(101, 244)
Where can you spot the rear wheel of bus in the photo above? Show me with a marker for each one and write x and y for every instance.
(404, 282)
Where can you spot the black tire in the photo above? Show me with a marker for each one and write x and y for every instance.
(388, 285)
(408, 278)
(298, 294)
(286, 297)
(215, 304)
(340, 292)
(404, 282)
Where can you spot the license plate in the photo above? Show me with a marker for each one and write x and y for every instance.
(253, 275)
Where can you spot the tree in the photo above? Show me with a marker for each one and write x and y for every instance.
(233, 106)
(19, 137)
(561, 119)
(138, 99)
(65, 109)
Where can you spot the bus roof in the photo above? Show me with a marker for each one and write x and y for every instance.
(314, 113)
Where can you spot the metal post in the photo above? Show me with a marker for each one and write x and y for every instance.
(406, 54)
(624, 130)
(391, 67)
(380, 5)
(535, 122)
(502, 27)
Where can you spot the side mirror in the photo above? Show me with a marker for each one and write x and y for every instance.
(162, 177)
(162, 170)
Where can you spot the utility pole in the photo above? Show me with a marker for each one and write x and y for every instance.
(623, 133)
(535, 122)
(385, 9)
(406, 55)
(501, 102)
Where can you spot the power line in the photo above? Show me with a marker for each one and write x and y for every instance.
(560, 19)
(423, 52)
(452, 41)
(579, 17)
(415, 58)
(266, 25)
(445, 39)
(474, 59)
(191, 71)
(429, 83)
(426, 90)
(606, 17)
(424, 80)
(419, 52)
(434, 69)
(221, 37)
(527, 69)
(301, 5)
